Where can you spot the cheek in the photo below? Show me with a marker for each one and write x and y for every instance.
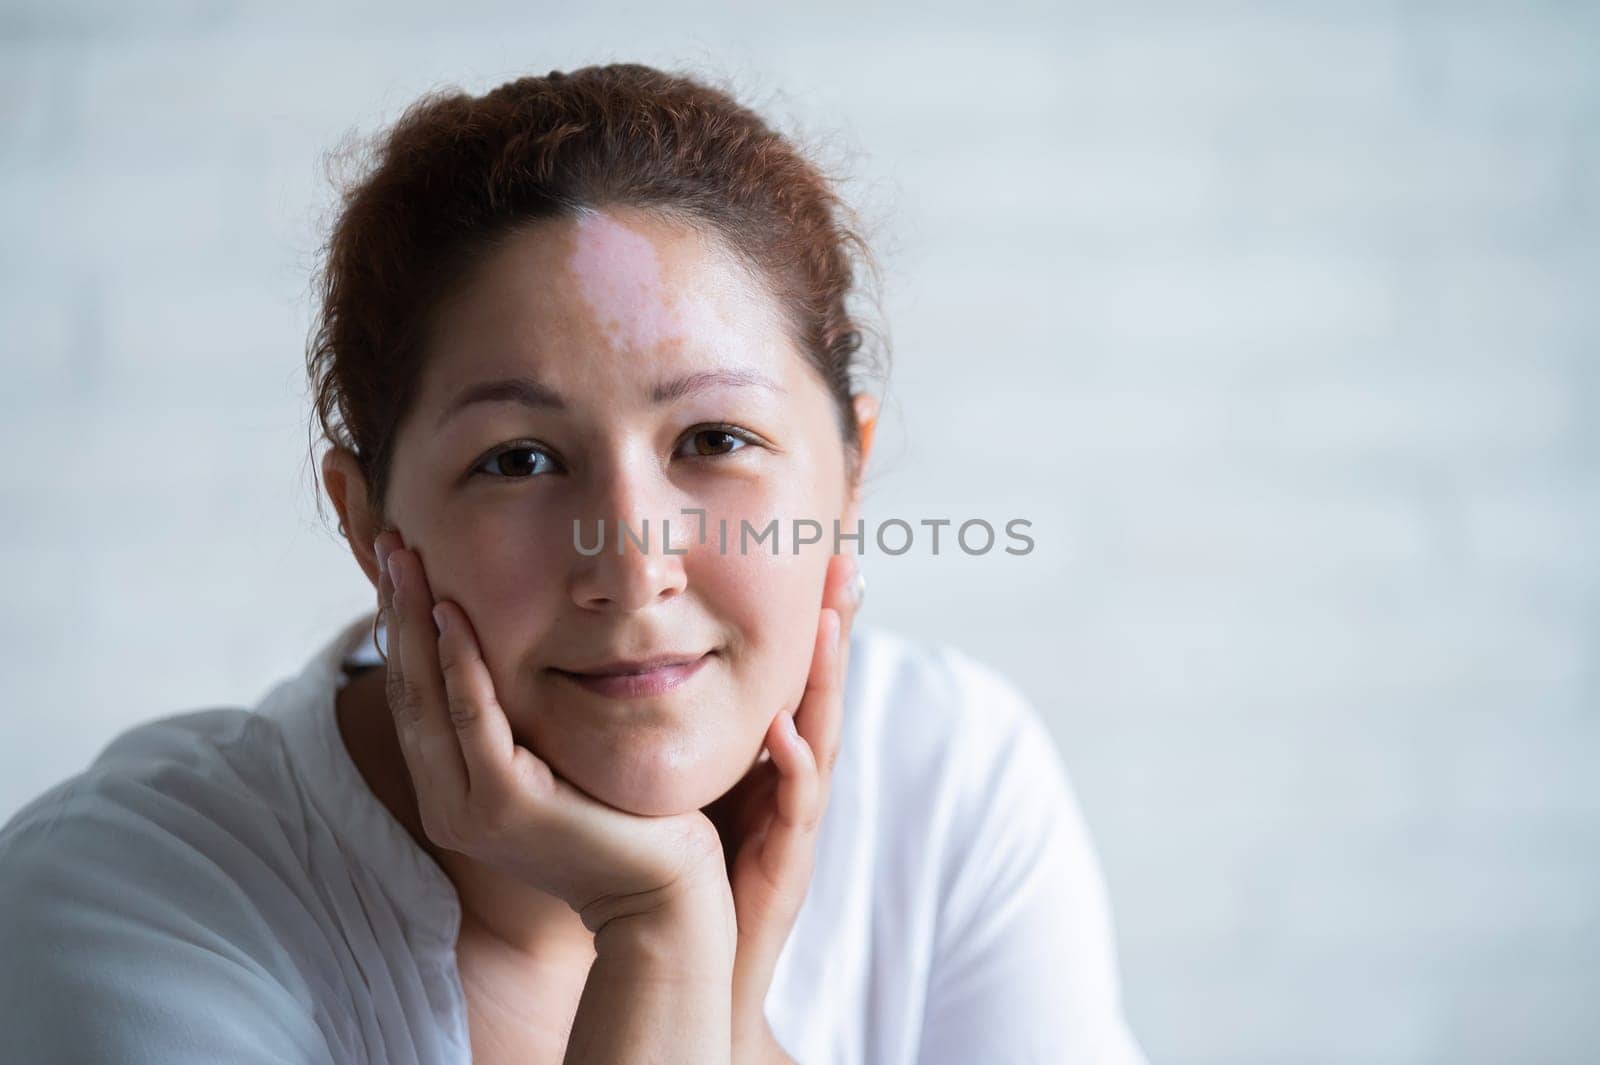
(764, 604)
(507, 576)
(759, 596)
(766, 610)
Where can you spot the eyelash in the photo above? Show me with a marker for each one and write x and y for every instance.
(734, 431)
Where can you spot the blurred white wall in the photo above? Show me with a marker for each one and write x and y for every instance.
(1279, 321)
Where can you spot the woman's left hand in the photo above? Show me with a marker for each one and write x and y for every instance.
(769, 820)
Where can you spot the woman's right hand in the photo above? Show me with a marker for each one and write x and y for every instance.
(481, 793)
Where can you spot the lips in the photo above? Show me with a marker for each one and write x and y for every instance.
(641, 665)
(659, 676)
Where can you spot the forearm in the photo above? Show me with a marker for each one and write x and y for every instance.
(659, 990)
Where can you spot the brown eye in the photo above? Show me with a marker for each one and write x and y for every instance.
(515, 463)
(715, 441)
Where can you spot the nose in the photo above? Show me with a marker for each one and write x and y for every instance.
(635, 509)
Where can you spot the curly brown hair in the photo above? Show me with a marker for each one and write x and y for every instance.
(457, 174)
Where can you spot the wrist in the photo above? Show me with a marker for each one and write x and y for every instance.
(690, 931)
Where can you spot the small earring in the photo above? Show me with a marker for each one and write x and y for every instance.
(342, 531)
(375, 637)
(858, 587)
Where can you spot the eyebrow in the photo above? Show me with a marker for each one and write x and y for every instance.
(531, 393)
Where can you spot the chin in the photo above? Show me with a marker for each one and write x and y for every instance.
(656, 780)
(651, 798)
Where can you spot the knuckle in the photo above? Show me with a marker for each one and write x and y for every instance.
(464, 710)
(404, 700)
(464, 713)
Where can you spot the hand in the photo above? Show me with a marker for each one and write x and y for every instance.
(769, 820)
(484, 795)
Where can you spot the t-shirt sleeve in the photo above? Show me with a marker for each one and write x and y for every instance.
(1024, 970)
(126, 937)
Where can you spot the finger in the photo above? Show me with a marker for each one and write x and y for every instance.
(849, 605)
(820, 718)
(420, 688)
(847, 600)
(800, 739)
(482, 728)
(843, 594)
(787, 843)
(760, 798)
(403, 712)
(797, 773)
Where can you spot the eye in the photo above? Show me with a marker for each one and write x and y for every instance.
(719, 437)
(710, 441)
(494, 466)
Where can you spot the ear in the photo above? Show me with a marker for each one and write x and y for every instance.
(347, 489)
(866, 407)
(866, 411)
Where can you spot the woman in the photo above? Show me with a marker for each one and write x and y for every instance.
(561, 797)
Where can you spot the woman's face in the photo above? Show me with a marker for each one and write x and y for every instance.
(650, 374)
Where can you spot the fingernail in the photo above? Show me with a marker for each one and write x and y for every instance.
(439, 618)
(394, 571)
(382, 553)
(858, 587)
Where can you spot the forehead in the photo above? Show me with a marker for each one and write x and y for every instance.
(606, 295)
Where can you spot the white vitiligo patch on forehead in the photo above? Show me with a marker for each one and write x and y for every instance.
(622, 279)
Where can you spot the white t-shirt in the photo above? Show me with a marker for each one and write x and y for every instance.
(222, 886)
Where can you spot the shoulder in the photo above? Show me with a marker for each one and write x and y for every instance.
(937, 709)
(164, 777)
(166, 803)
(135, 899)
(955, 756)
(1021, 957)
(963, 762)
